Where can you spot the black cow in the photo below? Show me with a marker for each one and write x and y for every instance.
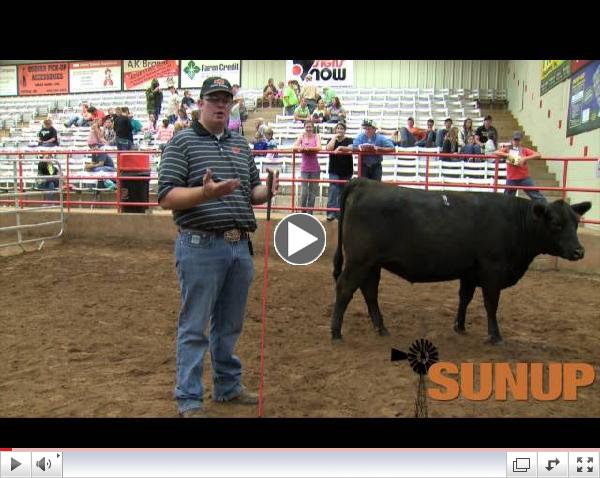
(486, 240)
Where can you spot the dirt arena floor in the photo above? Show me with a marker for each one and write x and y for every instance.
(88, 330)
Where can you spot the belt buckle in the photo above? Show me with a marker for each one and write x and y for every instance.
(232, 235)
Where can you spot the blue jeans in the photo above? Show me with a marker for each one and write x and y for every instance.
(439, 137)
(214, 276)
(172, 119)
(333, 198)
(289, 110)
(308, 191)
(311, 105)
(532, 193)
(429, 140)
(407, 140)
(372, 172)
(124, 144)
(472, 149)
(76, 119)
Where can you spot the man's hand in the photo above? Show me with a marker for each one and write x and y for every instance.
(214, 189)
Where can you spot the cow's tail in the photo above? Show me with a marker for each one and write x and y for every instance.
(338, 259)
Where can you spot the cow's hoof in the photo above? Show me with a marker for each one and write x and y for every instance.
(383, 332)
(460, 329)
(336, 337)
(494, 340)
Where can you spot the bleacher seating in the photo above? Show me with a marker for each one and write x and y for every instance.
(389, 107)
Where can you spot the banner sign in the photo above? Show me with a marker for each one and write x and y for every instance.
(194, 72)
(8, 80)
(577, 65)
(584, 100)
(94, 76)
(43, 79)
(137, 74)
(323, 72)
(553, 73)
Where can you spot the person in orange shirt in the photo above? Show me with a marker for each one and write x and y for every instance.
(517, 171)
(410, 135)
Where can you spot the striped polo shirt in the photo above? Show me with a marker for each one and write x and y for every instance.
(184, 162)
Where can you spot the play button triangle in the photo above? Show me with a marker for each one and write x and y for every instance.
(298, 239)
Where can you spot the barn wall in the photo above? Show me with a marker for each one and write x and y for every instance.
(544, 131)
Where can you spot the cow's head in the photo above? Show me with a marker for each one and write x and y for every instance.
(559, 223)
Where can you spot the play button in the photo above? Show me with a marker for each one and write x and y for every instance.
(300, 239)
(14, 464)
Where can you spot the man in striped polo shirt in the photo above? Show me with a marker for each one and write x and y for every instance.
(209, 179)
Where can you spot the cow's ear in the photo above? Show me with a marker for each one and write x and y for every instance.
(539, 210)
(581, 208)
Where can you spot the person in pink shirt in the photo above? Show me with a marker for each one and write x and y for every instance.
(164, 131)
(151, 125)
(309, 144)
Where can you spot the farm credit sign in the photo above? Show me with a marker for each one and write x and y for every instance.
(323, 72)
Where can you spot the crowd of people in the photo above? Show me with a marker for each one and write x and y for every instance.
(308, 105)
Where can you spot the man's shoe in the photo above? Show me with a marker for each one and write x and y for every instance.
(195, 413)
(245, 398)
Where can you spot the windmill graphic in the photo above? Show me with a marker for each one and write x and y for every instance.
(421, 355)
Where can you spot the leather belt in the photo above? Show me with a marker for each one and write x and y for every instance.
(231, 235)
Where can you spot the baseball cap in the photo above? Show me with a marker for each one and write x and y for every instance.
(367, 123)
(214, 84)
(517, 135)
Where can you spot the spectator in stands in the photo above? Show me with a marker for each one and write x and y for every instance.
(328, 96)
(310, 92)
(450, 144)
(173, 105)
(440, 135)
(165, 131)
(187, 101)
(154, 99)
(429, 141)
(48, 136)
(47, 168)
(372, 142)
(261, 125)
(235, 121)
(151, 125)
(302, 112)
(109, 132)
(337, 113)
(79, 119)
(466, 139)
(321, 113)
(123, 130)
(96, 137)
(279, 95)
(485, 133)
(517, 169)
(290, 99)
(309, 143)
(94, 114)
(408, 136)
(136, 124)
(296, 87)
(183, 119)
(266, 141)
(109, 116)
(340, 167)
(269, 92)
(102, 163)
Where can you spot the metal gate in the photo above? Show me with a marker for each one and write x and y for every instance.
(19, 186)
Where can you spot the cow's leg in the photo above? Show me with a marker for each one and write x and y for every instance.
(465, 294)
(370, 289)
(347, 283)
(491, 296)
